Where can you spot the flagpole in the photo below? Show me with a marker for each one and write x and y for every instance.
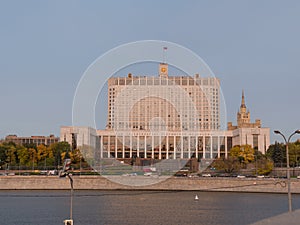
(164, 54)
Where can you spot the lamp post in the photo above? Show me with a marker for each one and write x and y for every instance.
(287, 141)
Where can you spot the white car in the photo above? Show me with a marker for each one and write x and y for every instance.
(206, 175)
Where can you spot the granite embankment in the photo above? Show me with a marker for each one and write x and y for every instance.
(148, 183)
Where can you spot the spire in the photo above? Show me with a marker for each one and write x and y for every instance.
(243, 116)
(243, 105)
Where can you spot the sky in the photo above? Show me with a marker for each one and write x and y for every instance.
(46, 46)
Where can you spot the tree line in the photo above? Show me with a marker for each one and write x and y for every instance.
(31, 156)
(277, 152)
(247, 158)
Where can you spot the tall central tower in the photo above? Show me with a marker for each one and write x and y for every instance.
(243, 116)
(179, 102)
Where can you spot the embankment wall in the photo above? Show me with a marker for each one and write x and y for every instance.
(140, 183)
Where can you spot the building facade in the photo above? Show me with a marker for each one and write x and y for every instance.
(249, 133)
(169, 117)
(180, 102)
(37, 140)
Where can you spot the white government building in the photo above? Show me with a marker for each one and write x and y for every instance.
(167, 117)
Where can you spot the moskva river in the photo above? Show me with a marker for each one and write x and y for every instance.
(139, 207)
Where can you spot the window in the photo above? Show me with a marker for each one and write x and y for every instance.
(255, 141)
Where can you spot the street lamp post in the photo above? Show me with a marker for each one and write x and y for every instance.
(287, 141)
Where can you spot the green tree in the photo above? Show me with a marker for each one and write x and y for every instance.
(294, 154)
(57, 149)
(2, 154)
(277, 153)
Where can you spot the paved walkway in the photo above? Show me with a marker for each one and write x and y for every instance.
(292, 218)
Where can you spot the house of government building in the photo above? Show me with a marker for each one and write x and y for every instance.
(167, 117)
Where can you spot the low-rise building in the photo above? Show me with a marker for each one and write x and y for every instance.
(38, 140)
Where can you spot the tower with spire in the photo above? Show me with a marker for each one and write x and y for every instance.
(243, 117)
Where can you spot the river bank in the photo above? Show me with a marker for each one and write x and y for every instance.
(265, 185)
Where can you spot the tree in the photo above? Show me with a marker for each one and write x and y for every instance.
(76, 156)
(45, 155)
(244, 153)
(277, 153)
(57, 149)
(229, 165)
(264, 166)
(23, 156)
(33, 157)
(294, 153)
(11, 155)
(30, 145)
(2, 154)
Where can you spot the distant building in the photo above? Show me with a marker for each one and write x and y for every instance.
(167, 117)
(249, 133)
(38, 140)
(78, 137)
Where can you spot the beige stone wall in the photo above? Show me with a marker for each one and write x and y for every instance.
(200, 184)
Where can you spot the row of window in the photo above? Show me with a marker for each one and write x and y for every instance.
(163, 81)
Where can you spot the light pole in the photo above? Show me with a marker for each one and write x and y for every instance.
(287, 141)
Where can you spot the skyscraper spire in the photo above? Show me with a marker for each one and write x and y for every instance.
(243, 116)
(243, 105)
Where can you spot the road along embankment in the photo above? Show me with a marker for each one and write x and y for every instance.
(149, 183)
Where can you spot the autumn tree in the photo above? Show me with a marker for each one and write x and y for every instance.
(228, 165)
(33, 157)
(57, 150)
(45, 155)
(23, 156)
(11, 155)
(244, 153)
(264, 166)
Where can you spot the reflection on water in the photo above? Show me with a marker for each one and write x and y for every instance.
(139, 207)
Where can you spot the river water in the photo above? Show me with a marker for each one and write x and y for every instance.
(139, 207)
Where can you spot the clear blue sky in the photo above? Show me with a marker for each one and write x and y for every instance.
(46, 46)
